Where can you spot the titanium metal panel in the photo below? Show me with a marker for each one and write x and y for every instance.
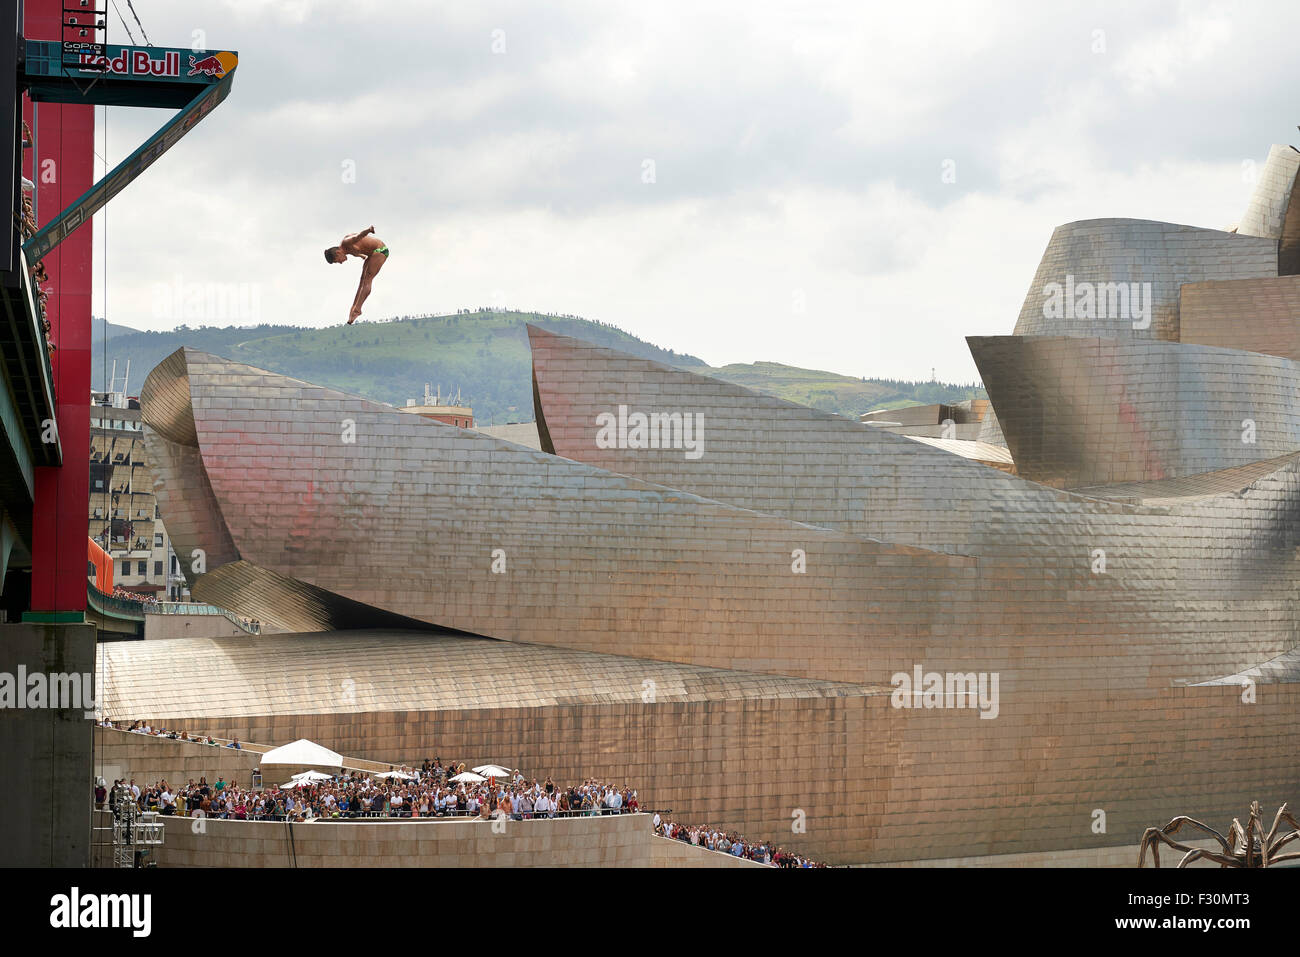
(1085, 411)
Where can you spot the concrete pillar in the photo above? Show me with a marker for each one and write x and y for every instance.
(45, 751)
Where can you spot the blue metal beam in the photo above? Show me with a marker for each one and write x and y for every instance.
(211, 91)
(163, 77)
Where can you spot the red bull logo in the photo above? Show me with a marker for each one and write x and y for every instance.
(134, 63)
(216, 64)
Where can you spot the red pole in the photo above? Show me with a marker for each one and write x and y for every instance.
(63, 169)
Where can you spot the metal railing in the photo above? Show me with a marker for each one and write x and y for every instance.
(127, 608)
(387, 815)
(112, 605)
(183, 608)
(196, 608)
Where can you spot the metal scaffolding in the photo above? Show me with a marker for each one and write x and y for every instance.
(135, 833)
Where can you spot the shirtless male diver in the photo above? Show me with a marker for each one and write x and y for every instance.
(370, 248)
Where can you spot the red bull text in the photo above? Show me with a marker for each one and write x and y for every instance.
(168, 64)
(135, 63)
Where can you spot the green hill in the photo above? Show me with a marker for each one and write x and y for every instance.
(848, 395)
(484, 354)
(99, 328)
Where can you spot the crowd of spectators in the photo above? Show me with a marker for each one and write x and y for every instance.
(120, 592)
(410, 792)
(27, 226)
(729, 842)
(142, 727)
(427, 793)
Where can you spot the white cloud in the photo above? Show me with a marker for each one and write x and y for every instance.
(1158, 61)
(796, 152)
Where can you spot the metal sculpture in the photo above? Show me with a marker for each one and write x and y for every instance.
(1243, 847)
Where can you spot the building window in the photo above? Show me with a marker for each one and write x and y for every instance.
(157, 569)
(126, 569)
(142, 566)
(157, 540)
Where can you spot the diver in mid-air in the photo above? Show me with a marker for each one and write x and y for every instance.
(370, 248)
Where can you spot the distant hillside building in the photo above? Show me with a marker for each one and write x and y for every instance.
(952, 427)
(124, 518)
(433, 407)
(958, 420)
(520, 433)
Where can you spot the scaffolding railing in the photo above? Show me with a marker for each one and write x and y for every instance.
(133, 834)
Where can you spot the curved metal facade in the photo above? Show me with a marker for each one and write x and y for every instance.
(1158, 257)
(1140, 565)
(406, 517)
(1254, 314)
(1267, 212)
(667, 562)
(1086, 411)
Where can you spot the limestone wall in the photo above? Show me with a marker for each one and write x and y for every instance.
(618, 841)
(668, 853)
(147, 759)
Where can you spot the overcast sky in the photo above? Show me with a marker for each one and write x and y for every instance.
(796, 208)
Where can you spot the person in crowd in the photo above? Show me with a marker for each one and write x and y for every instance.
(429, 792)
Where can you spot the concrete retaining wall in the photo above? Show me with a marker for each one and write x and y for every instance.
(191, 626)
(669, 853)
(621, 841)
(121, 754)
(45, 752)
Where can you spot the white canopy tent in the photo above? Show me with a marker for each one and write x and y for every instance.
(302, 755)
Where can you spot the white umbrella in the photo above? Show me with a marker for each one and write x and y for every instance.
(395, 774)
(469, 777)
(492, 771)
(312, 776)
